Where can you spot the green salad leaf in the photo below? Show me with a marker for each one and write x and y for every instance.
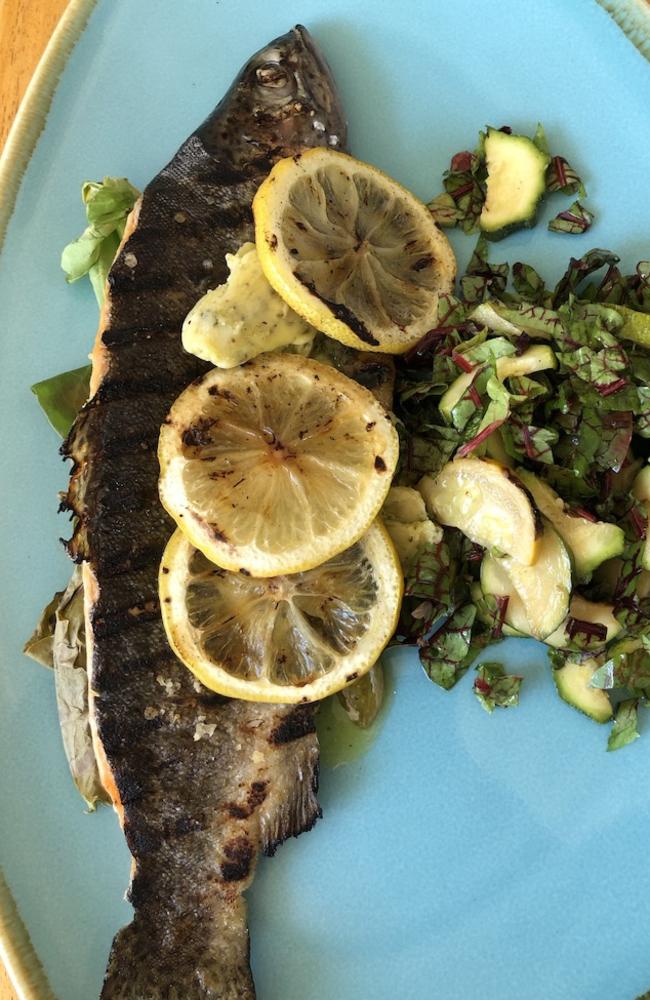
(575, 219)
(62, 396)
(494, 688)
(107, 204)
(624, 728)
(447, 654)
(560, 176)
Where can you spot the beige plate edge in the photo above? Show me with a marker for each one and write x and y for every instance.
(32, 114)
(16, 950)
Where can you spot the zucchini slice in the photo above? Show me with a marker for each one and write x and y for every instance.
(589, 542)
(538, 595)
(453, 395)
(585, 611)
(516, 181)
(572, 683)
(488, 503)
(406, 521)
(536, 359)
(641, 490)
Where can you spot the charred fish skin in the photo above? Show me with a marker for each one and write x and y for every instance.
(201, 783)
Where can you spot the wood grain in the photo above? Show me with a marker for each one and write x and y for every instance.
(25, 29)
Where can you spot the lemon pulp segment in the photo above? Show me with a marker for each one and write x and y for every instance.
(287, 638)
(276, 466)
(351, 251)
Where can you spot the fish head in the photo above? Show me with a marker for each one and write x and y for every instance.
(283, 100)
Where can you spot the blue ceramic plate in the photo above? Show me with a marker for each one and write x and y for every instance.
(465, 856)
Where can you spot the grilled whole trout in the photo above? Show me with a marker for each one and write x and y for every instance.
(201, 783)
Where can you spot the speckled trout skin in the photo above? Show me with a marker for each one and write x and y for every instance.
(201, 783)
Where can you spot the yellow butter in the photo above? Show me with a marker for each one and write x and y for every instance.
(244, 317)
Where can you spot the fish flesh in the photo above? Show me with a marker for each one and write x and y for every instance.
(201, 783)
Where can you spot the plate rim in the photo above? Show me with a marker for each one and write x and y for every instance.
(17, 953)
(35, 105)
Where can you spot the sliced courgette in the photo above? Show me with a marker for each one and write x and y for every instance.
(408, 524)
(516, 181)
(404, 504)
(512, 321)
(594, 612)
(538, 595)
(641, 490)
(636, 325)
(487, 503)
(494, 448)
(590, 542)
(536, 359)
(452, 397)
(573, 686)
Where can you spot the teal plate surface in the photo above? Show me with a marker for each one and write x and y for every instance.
(466, 856)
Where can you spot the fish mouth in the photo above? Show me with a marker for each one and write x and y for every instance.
(324, 95)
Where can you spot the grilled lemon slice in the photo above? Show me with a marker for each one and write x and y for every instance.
(284, 639)
(351, 251)
(276, 466)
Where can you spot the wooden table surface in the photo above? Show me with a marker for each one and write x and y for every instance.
(25, 28)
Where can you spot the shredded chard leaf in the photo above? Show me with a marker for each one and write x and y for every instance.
(494, 688)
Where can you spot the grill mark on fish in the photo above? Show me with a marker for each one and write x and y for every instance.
(186, 767)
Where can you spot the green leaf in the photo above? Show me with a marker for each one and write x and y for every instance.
(420, 455)
(528, 284)
(494, 688)
(62, 396)
(560, 176)
(624, 728)
(445, 211)
(107, 204)
(483, 280)
(540, 140)
(575, 219)
(523, 440)
(446, 655)
(432, 575)
(599, 368)
(98, 273)
(579, 270)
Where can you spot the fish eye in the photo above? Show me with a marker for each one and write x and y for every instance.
(273, 75)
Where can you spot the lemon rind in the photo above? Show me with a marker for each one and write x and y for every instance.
(350, 667)
(234, 558)
(312, 309)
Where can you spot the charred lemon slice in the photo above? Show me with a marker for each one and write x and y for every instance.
(351, 251)
(276, 466)
(284, 639)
